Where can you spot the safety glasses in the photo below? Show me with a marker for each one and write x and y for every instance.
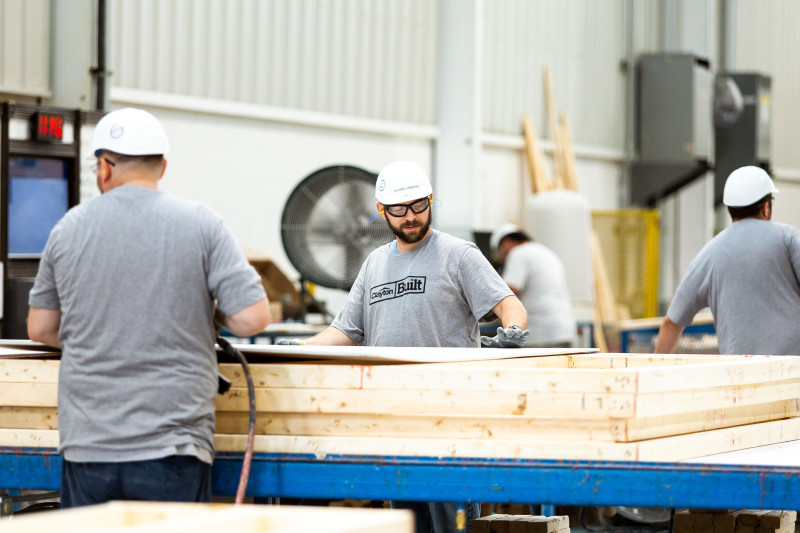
(399, 210)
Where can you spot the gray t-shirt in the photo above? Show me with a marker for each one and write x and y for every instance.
(747, 275)
(135, 273)
(432, 295)
(539, 274)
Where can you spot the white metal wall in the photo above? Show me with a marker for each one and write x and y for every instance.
(25, 47)
(581, 41)
(766, 40)
(364, 58)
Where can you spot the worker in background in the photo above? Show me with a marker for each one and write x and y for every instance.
(747, 275)
(127, 287)
(426, 288)
(537, 276)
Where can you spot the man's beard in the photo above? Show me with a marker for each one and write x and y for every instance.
(416, 237)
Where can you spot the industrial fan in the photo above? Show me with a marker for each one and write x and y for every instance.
(326, 225)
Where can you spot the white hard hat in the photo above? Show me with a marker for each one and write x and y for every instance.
(747, 185)
(501, 232)
(130, 131)
(401, 181)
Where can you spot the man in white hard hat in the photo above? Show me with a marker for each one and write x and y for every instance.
(426, 288)
(747, 275)
(537, 276)
(127, 287)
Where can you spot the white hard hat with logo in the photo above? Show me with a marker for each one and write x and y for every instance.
(497, 235)
(747, 185)
(130, 131)
(401, 181)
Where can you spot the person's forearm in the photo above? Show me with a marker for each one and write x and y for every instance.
(511, 312)
(249, 321)
(668, 336)
(330, 336)
(44, 325)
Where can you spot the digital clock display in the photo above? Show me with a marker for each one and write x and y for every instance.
(47, 127)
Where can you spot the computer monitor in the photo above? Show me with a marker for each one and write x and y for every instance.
(38, 196)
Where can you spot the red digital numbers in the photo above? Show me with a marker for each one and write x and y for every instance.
(49, 127)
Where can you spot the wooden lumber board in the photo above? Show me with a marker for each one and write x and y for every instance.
(667, 449)
(601, 361)
(502, 427)
(619, 373)
(369, 354)
(499, 402)
(157, 517)
(540, 180)
(555, 132)
(570, 178)
(523, 428)
(29, 417)
(503, 376)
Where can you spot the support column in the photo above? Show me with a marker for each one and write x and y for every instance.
(457, 150)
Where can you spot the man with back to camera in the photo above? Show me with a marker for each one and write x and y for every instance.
(426, 288)
(127, 287)
(747, 275)
(537, 277)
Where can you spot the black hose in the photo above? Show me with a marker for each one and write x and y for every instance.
(251, 432)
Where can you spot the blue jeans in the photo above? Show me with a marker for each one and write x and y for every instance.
(178, 478)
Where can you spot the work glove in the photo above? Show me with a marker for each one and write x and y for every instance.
(291, 342)
(513, 337)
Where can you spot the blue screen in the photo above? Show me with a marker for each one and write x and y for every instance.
(38, 196)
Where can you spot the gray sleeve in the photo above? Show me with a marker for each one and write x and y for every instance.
(692, 293)
(231, 280)
(350, 318)
(44, 293)
(482, 286)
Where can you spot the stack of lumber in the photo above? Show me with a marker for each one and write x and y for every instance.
(704, 521)
(123, 517)
(575, 406)
(506, 523)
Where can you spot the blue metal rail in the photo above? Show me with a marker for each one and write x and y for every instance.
(601, 483)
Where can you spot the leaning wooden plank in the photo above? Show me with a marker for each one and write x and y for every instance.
(555, 132)
(537, 170)
(668, 449)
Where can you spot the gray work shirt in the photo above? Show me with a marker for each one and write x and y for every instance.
(747, 275)
(432, 295)
(135, 273)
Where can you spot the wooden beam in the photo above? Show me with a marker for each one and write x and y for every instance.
(570, 178)
(666, 449)
(555, 137)
(540, 181)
